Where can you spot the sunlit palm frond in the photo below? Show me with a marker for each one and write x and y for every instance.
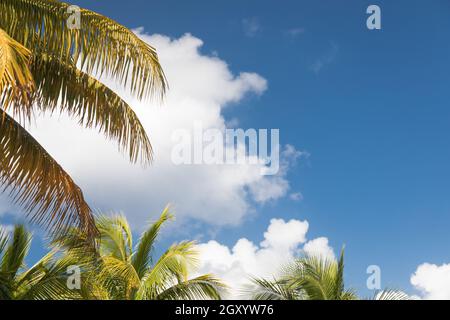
(115, 236)
(3, 239)
(142, 256)
(113, 271)
(175, 263)
(48, 280)
(390, 294)
(16, 81)
(263, 289)
(5, 283)
(316, 277)
(202, 287)
(99, 44)
(38, 183)
(118, 277)
(60, 86)
(16, 251)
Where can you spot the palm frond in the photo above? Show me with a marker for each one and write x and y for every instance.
(176, 262)
(47, 280)
(115, 236)
(16, 251)
(390, 294)
(118, 277)
(38, 183)
(141, 257)
(60, 86)
(6, 285)
(263, 289)
(202, 287)
(16, 81)
(4, 236)
(319, 278)
(99, 44)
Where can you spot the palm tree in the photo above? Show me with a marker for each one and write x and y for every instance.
(47, 66)
(47, 279)
(311, 277)
(116, 271)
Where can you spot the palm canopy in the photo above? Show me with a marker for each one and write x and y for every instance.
(47, 66)
(47, 279)
(311, 277)
(121, 270)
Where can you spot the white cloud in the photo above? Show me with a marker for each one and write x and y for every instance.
(432, 281)
(282, 242)
(319, 247)
(201, 86)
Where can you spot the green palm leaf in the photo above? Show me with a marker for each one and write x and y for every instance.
(141, 257)
(174, 264)
(263, 289)
(202, 287)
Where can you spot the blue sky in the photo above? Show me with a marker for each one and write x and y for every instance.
(370, 107)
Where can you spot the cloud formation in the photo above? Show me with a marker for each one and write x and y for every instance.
(432, 281)
(201, 87)
(282, 242)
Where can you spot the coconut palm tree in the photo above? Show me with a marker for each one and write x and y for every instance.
(48, 64)
(313, 277)
(47, 279)
(121, 271)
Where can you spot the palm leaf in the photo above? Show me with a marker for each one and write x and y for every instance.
(175, 262)
(115, 236)
(16, 81)
(263, 289)
(47, 280)
(118, 277)
(390, 294)
(16, 251)
(100, 44)
(202, 287)
(38, 183)
(3, 239)
(141, 257)
(61, 86)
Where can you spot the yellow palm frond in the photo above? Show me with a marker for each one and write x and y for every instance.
(61, 86)
(16, 81)
(116, 238)
(99, 44)
(38, 183)
(174, 264)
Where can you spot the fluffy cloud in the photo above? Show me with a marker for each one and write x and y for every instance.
(201, 86)
(319, 247)
(282, 241)
(432, 281)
